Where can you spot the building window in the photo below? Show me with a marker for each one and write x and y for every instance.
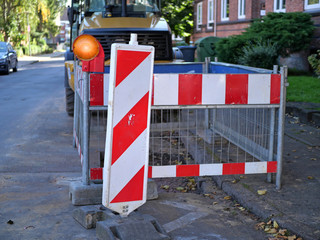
(311, 4)
(241, 9)
(210, 14)
(199, 16)
(280, 5)
(224, 10)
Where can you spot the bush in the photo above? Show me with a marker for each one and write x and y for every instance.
(231, 48)
(19, 51)
(314, 61)
(292, 32)
(261, 54)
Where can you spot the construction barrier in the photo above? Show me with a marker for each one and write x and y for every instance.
(201, 124)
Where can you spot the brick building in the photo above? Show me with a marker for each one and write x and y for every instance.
(222, 18)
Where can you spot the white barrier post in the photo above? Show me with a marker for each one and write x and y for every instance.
(127, 139)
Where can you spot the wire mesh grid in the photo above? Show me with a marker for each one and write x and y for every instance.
(199, 136)
(202, 136)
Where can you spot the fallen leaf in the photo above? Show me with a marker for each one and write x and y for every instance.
(235, 181)
(206, 194)
(294, 150)
(241, 208)
(313, 159)
(215, 203)
(283, 232)
(260, 225)
(179, 188)
(242, 177)
(310, 177)
(227, 198)
(309, 148)
(166, 187)
(262, 192)
(275, 225)
(192, 180)
(270, 222)
(294, 237)
(267, 229)
(272, 231)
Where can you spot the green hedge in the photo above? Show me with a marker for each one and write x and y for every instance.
(36, 49)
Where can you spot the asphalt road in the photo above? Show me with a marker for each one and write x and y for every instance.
(37, 163)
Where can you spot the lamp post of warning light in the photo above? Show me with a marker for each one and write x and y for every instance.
(91, 53)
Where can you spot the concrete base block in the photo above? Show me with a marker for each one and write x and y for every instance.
(88, 216)
(136, 226)
(81, 194)
(152, 190)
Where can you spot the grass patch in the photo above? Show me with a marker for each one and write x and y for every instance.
(303, 89)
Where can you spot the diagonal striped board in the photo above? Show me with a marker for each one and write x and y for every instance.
(127, 138)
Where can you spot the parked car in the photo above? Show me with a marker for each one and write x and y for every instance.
(8, 58)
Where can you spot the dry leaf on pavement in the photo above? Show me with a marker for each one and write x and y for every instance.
(262, 192)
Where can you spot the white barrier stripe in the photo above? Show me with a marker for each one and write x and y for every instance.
(132, 89)
(136, 149)
(213, 89)
(259, 86)
(164, 171)
(256, 167)
(166, 89)
(211, 169)
(105, 89)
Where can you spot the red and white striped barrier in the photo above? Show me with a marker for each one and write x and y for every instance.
(215, 169)
(127, 142)
(201, 89)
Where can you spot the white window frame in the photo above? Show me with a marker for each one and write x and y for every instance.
(241, 9)
(209, 21)
(311, 6)
(224, 9)
(280, 6)
(199, 15)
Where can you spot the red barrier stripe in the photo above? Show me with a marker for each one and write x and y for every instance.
(129, 60)
(233, 168)
(133, 191)
(188, 170)
(236, 88)
(96, 89)
(129, 128)
(96, 173)
(272, 167)
(190, 89)
(150, 172)
(275, 89)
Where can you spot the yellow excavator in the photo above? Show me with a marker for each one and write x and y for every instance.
(112, 21)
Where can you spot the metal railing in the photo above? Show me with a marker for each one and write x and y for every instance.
(189, 135)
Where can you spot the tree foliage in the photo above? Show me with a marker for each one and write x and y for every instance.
(41, 15)
(179, 15)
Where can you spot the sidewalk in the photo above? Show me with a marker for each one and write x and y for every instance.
(27, 60)
(296, 206)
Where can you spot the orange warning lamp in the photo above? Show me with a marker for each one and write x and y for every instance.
(86, 47)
